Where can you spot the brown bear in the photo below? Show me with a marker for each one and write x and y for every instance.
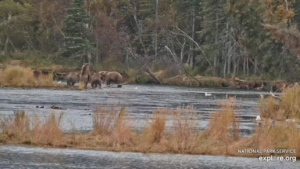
(37, 73)
(102, 75)
(85, 75)
(112, 77)
(72, 78)
(96, 80)
(103, 72)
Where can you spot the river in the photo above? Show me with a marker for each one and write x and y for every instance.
(140, 101)
(36, 158)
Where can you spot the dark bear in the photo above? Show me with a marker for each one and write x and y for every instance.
(112, 77)
(96, 80)
(102, 75)
(72, 78)
(37, 73)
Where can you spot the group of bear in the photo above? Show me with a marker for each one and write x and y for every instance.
(96, 79)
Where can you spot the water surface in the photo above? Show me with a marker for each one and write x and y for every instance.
(139, 100)
(34, 158)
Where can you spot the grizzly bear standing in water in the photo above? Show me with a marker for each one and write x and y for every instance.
(85, 75)
(96, 80)
(72, 78)
(112, 77)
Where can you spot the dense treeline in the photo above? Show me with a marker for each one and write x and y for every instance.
(208, 37)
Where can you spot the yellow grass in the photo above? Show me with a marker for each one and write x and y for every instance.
(22, 129)
(183, 138)
(112, 131)
(81, 86)
(287, 108)
(45, 80)
(17, 76)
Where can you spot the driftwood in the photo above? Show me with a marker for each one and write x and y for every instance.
(152, 75)
(273, 95)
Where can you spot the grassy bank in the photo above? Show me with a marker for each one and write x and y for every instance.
(112, 131)
(17, 76)
(20, 73)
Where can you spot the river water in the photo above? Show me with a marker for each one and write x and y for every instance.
(36, 158)
(140, 101)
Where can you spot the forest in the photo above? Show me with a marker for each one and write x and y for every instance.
(246, 44)
(214, 38)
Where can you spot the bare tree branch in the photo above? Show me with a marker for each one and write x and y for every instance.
(181, 65)
(173, 54)
(141, 61)
(190, 38)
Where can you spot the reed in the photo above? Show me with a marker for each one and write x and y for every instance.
(113, 131)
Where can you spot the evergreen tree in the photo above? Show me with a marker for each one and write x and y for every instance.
(296, 18)
(214, 34)
(78, 36)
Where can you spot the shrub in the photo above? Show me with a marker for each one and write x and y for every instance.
(18, 76)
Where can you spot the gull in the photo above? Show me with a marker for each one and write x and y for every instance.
(207, 94)
(258, 118)
(135, 88)
(261, 96)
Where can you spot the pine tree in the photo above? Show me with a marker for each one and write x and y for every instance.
(78, 37)
(215, 34)
(296, 18)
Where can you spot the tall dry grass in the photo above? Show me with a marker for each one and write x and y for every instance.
(48, 131)
(18, 76)
(290, 103)
(112, 131)
(153, 135)
(223, 130)
(285, 136)
(112, 125)
(16, 126)
(281, 134)
(45, 81)
(184, 137)
(22, 129)
(288, 107)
